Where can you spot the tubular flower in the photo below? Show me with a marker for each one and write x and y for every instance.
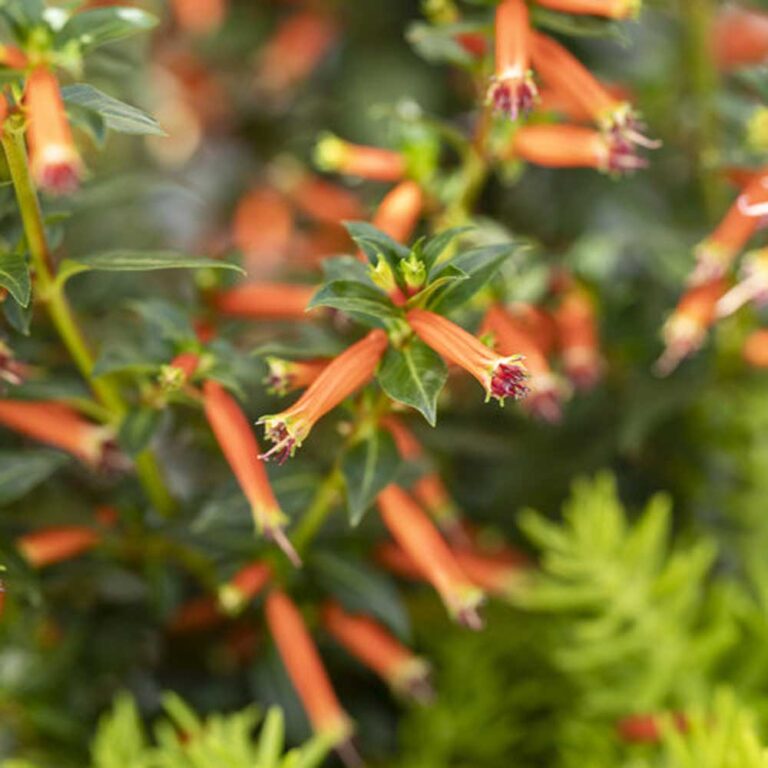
(496, 575)
(289, 375)
(686, 328)
(563, 72)
(375, 647)
(752, 287)
(57, 544)
(578, 338)
(196, 615)
(512, 90)
(511, 337)
(344, 375)
(56, 164)
(179, 371)
(305, 668)
(13, 57)
(336, 155)
(262, 228)
(239, 446)
(755, 351)
(321, 200)
(199, 16)
(64, 428)
(647, 728)
(294, 51)
(429, 489)
(501, 377)
(244, 586)
(420, 540)
(611, 9)
(740, 37)
(573, 146)
(399, 211)
(715, 254)
(266, 301)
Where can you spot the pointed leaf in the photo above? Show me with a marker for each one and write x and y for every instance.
(350, 296)
(20, 472)
(368, 467)
(90, 29)
(415, 376)
(14, 276)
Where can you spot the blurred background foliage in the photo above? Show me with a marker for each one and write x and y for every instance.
(643, 602)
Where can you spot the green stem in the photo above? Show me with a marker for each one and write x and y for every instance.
(317, 512)
(52, 295)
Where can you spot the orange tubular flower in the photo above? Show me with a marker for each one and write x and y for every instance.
(244, 586)
(578, 338)
(563, 72)
(55, 545)
(611, 9)
(239, 446)
(289, 375)
(496, 575)
(344, 375)
(501, 377)
(13, 57)
(262, 228)
(338, 156)
(321, 200)
(55, 162)
(305, 668)
(266, 301)
(646, 729)
(740, 37)
(512, 91)
(429, 489)
(686, 328)
(755, 351)
(399, 211)
(420, 540)
(511, 337)
(379, 650)
(295, 50)
(573, 146)
(716, 254)
(196, 615)
(199, 17)
(62, 427)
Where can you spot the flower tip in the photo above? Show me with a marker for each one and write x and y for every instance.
(59, 178)
(469, 617)
(277, 535)
(348, 754)
(512, 96)
(509, 379)
(419, 688)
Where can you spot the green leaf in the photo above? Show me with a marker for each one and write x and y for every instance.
(438, 44)
(362, 589)
(350, 296)
(118, 359)
(120, 739)
(346, 268)
(18, 317)
(14, 276)
(480, 265)
(20, 471)
(116, 115)
(368, 467)
(435, 246)
(138, 261)
(374, 243)
(414, 375)
(271, 739)
(138, 428)
(90, 29)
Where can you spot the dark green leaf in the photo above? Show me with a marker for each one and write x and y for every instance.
(414, 375)
(361, 589)
(137, 429)
(117, 115)
(90, 29)
(350, 296)
(14, 276)
(346, 268)
(577, 25)
(118, 359)
(438, 44)
(18, 317)
(480, 265)
(435, 246)
(368, 467)
(20, 471)
(167, 320)
(374, 244)
(138, 261)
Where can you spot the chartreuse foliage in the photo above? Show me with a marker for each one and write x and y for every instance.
(184, 740)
